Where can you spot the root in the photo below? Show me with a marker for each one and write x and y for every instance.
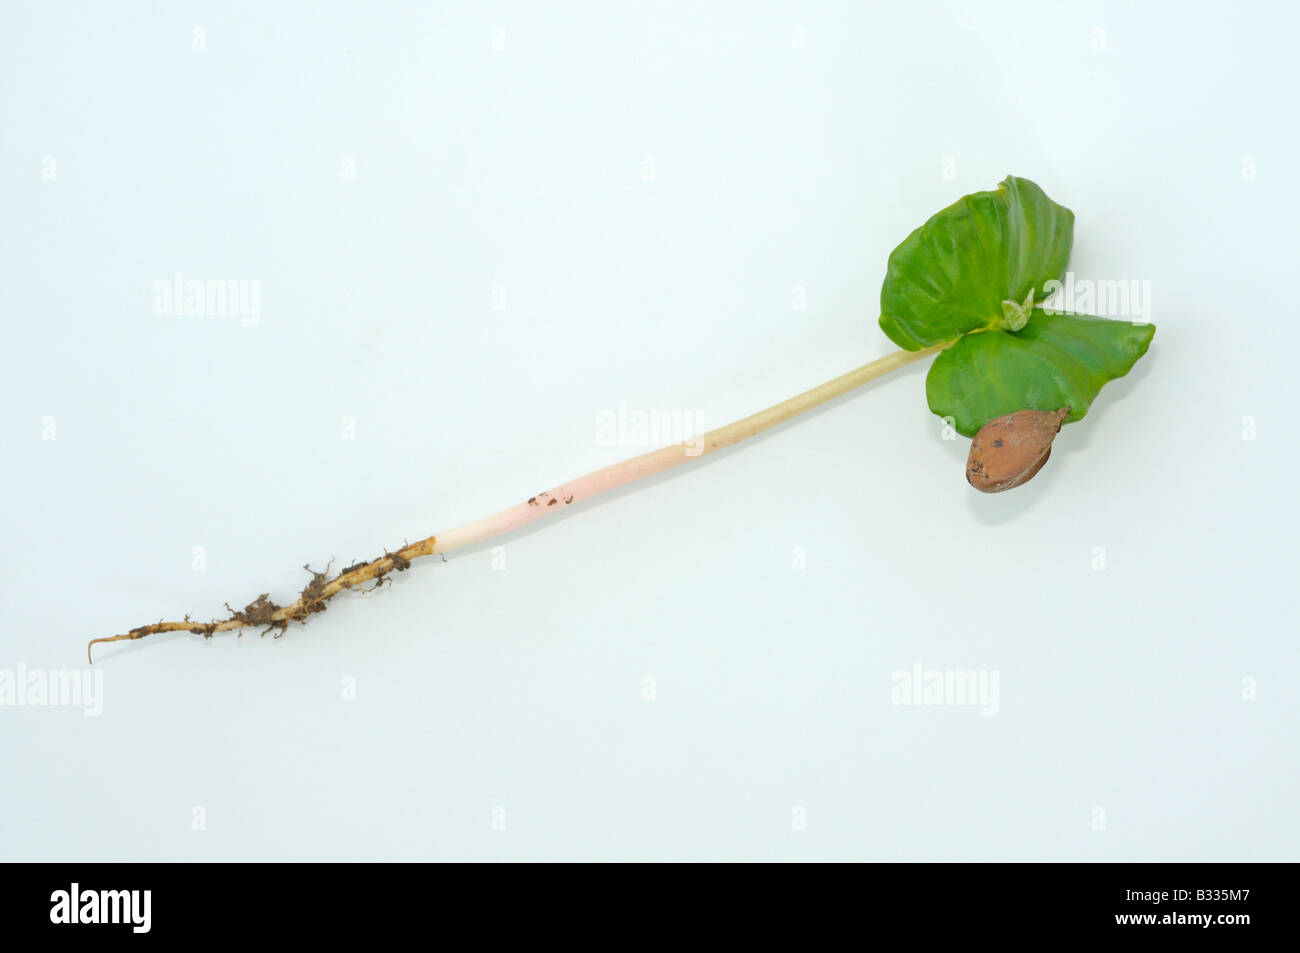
(270, 617)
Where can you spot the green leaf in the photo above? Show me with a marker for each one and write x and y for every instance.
(973, 265)
(1054, 361)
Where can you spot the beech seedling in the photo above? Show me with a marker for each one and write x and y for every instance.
(968, 285)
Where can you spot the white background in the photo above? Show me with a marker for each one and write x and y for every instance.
(646, 185)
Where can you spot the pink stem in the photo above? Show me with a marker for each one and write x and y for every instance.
(658, 461)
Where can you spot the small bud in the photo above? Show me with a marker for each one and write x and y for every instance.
(1009, 450)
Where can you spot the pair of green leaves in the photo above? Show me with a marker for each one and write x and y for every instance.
(971, 275)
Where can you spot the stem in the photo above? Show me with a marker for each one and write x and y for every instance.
(262, 612)
(658, 461)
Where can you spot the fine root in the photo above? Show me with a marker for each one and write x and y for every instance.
(263, 613)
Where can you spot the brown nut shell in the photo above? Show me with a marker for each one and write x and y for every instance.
(1009, 450)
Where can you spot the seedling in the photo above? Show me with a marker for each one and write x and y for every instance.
(967, 285)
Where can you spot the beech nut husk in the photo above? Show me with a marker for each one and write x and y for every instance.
(1009, 450)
